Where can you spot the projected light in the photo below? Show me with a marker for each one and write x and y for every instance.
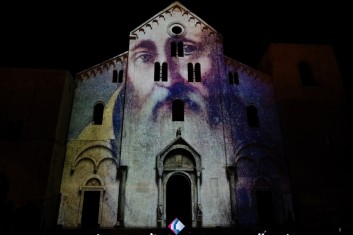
(176, 226)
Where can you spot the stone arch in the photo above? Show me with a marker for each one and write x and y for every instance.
(179, 158)
(268, 166)
(85, 180)
(190, 190)
(246, 167)
(95, 159)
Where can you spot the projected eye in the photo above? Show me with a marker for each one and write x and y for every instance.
(144, 58)
(189, 49)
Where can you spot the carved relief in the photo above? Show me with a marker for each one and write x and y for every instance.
(178, 161)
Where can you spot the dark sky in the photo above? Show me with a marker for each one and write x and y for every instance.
(76, 37)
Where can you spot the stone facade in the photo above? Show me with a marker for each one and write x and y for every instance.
(175, 128)
(222, 155)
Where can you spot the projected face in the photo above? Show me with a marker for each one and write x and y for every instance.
(153, 99)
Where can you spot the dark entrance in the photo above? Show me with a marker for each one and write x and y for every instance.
(265, 210)
(90, 209)
(179, 200)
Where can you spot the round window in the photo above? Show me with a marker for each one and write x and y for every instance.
(176, 29)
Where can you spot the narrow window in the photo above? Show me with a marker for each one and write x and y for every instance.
(180, 49)
(157, 71)
(197, 72)
(306, 75)
(115, 76)
(235, 78)
(98, 114)
(178, 110)
(230, 77)
(121, 73)
(190, 72)
(164, 72)
(173, 49)
(253, 119)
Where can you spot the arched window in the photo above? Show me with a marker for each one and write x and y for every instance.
(253, 119)
(197, 72)
(98, 114)
(157, 71)
(178, 110)
(190, 72)
(177, 49)
(306, 75)
(180, 49)
(164, 72)
(194, 74)
(233, 78)
(115, 76)
(173, 49)
(121, 73)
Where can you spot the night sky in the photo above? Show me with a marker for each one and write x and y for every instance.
(77, 37)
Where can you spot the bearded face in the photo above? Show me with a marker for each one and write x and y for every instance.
(152, 100)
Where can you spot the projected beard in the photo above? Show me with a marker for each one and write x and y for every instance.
(153, 99)
(157, 105)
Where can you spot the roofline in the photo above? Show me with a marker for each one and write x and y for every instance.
(176, 3)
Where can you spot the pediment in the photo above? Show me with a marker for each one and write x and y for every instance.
(180, 143)
(191, 159)
(178, 10)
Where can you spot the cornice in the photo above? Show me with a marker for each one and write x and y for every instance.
(172, 9)
(104, 66)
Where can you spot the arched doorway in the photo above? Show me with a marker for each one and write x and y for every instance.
(179, 175)
(178, 199)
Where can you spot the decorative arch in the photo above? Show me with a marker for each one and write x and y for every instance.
(85, 180)
(190, 179)
(179, 158)
(96, 159)
(246, 167)
(268, 166)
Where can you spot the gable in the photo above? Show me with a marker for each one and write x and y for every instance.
(176, 12)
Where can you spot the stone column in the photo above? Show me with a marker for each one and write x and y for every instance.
(198, 202)
(232, 188)
(160, 197)
(121, 198)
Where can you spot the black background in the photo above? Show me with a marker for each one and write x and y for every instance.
(77, 36)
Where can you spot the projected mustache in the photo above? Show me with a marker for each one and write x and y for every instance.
(190, 96)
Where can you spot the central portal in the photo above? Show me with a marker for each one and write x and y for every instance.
(179, 199)
(178, 176)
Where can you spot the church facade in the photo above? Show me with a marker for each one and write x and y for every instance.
(173, 128)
